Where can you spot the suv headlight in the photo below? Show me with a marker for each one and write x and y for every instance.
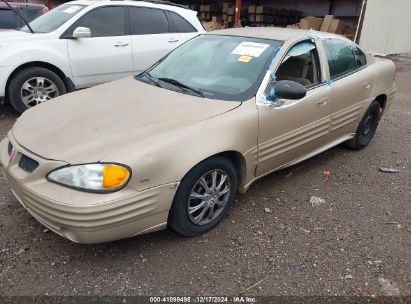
(101, 177)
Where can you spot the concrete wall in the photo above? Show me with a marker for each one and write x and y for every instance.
(387, 26)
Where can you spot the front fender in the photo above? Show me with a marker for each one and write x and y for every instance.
(168, 158)
(53, 51)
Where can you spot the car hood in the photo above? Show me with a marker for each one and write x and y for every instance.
(13, 36)
(89, 125)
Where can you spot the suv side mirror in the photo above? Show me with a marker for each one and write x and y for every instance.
(287, 89)
(81, 32)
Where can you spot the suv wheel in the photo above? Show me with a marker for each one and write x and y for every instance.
(33, 86)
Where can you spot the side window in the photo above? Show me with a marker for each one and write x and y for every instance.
(181, 25)
(105, 21)
(360, 57)
(340, 56)
(301, 65)
(146, 21)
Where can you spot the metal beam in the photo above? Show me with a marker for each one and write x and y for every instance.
(237, 12)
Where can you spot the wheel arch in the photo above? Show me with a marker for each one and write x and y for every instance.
(382, 101)
(235, 157)
(239, 162)
(67, 81)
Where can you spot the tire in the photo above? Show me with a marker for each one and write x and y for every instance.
(183, 221)
(32, 86)
(367, 127)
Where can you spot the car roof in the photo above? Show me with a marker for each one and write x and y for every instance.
(274, 33)
(151, 3)
(18, 4)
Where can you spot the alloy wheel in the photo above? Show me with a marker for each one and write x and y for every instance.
(37, 90)
(209, 197)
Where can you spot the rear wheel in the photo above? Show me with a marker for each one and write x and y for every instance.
(33, 86)
(367, 127)
(204, 196)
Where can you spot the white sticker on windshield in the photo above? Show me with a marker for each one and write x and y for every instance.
(72, 9)
(250, 49)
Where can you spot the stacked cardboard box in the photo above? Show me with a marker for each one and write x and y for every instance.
(326, 24)
(260, 13)
(311, 23)
(269, 16)
(205, 12)
(228, 12)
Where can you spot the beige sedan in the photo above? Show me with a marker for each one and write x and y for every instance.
(173, 146)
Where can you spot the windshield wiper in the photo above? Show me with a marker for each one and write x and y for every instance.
(181, 85)
(150, 78)
(18, 14)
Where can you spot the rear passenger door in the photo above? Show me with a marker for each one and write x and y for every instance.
(152, 36)
(351, 85)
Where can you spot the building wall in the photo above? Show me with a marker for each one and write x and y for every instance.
(387, 25)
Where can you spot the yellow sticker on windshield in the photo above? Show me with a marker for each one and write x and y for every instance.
(245, 58)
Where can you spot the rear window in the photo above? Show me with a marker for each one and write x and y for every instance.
(181, 25)
(8, 19)
(146, 21)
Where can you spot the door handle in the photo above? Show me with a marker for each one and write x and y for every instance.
(119, 44)
(173, 40)
(367, 85)
(323, 101)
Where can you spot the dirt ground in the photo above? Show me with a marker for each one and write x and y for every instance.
(355, 243)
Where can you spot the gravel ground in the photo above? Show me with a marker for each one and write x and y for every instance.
(355, 243)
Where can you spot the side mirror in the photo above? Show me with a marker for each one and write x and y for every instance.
(82, 32)
(286, 89)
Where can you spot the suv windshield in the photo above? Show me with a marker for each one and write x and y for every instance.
(214, 66)
(53, 19)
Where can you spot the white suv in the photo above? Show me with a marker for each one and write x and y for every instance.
(83, 43)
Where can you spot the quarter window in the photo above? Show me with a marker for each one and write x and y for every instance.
(104, 22)
(360, 57)
(181, 25)
(341, 57)
(145, 21)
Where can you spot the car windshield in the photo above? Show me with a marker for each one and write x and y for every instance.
(53, 19)
(215, 66)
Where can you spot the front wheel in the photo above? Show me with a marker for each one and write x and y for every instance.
(32, 86)
(367, 127)
(204, 196)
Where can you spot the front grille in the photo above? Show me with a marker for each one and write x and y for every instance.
(28, 164)
(10, 148)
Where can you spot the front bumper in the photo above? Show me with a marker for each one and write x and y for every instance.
(80, 216)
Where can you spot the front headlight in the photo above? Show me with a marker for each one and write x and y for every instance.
(99, 177)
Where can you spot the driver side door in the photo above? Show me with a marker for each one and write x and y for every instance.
(106, 55)
(291, 129)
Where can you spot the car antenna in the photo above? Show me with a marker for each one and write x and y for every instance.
(18, 14)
